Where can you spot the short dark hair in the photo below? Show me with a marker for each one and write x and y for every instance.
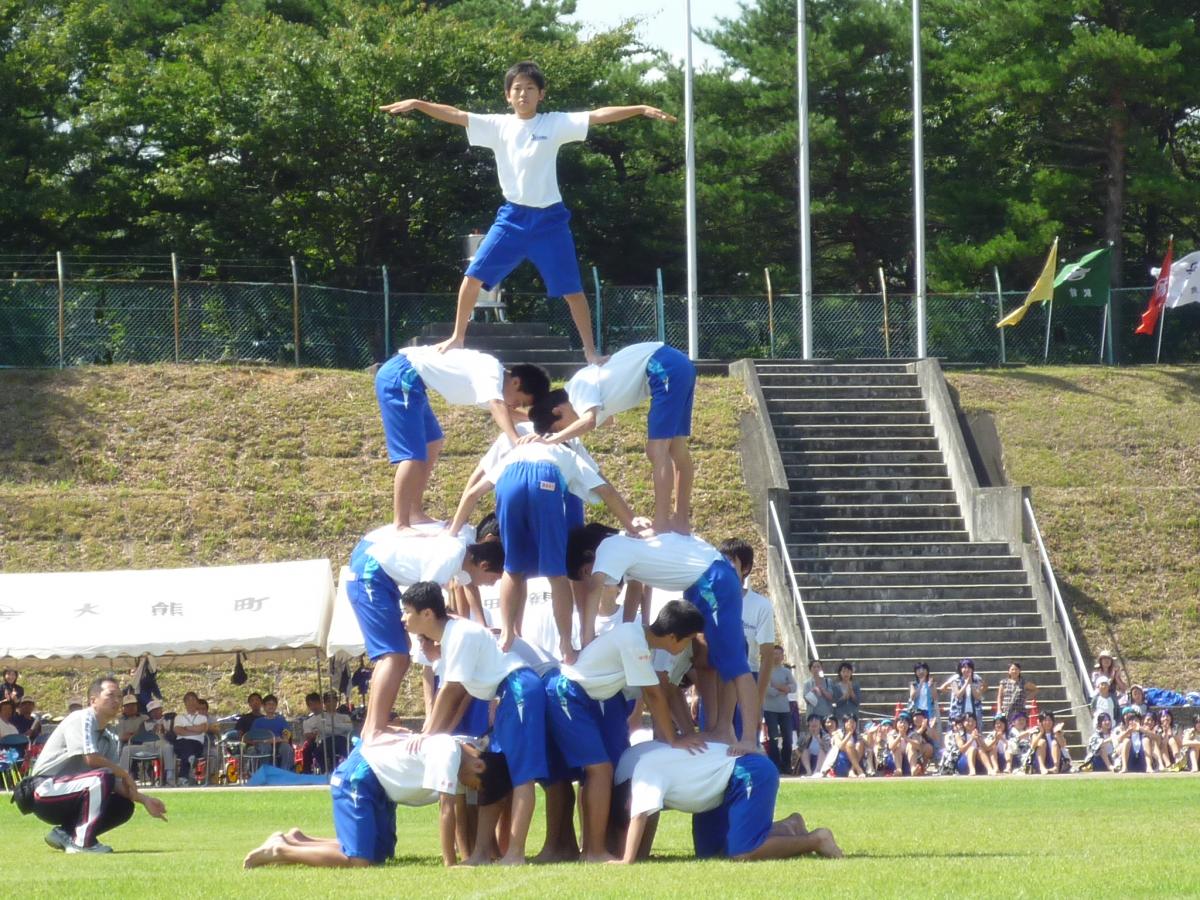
(98, 684)
(846, 664)
(14, 671)
(311, 696)
(250, 696)
(9, 703)
(529, 69)
(270, 698)
(532, 379)
(582, 544)
(425, 595)
(542, 415)
(489, 555)
(495, 783)
(679, 619)
(1013, 662)
(1046, 714)
(191, 694)
(330, 695)
(739, 550)
(489, 526)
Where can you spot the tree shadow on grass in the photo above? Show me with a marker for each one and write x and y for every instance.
(45, 425)
(1033, 377)
(957, 854)
(1080, 603)
(1185, 383)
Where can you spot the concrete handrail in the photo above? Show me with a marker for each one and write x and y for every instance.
(797, 597)
(1060, 607)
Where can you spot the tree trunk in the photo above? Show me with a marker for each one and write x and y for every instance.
(1114, 208)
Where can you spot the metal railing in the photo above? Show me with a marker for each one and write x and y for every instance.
(797, 597)
(1060, 607)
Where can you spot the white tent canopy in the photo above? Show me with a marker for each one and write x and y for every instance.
(267, 606)
(345, 637)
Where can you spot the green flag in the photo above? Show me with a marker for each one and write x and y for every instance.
(1087, 282)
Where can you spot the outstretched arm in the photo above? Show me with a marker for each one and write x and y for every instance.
(449, 114)
(502, 416)
(606, 114)
(467, 503)
(618, 507)
(581, 426)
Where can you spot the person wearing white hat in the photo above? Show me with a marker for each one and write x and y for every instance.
(154, 723)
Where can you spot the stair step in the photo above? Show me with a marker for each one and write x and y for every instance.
(847, 379)
(883, 579)
(897, 524)
(994, 651)
(801, 485)
(497, 343)
(817, 499)
(477, 329)
(804, 512)
(868, 434)
(953, 606)
(973, 564)
(1037, 668)
(950, 621)
(917, 592)
(808, 418)
(866, 462)
(798, 388)
(798, 539)
(877, 692)
(776, 400)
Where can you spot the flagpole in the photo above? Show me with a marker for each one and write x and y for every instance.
(918, 178)
(1049, 317)
(1162, 324)
(805, 225)
(689, 137)
(1162, 313)
(1000, 307)
(1104, 327)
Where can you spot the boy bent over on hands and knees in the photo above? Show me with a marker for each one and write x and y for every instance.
(588, 715)
(472, 663)
(414, 437)
(533, 222)
(385, 562)
(598, 556)
(596, 393)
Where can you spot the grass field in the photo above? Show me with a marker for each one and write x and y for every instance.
(1017, 837)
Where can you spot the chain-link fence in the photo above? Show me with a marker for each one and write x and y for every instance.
(48, 322)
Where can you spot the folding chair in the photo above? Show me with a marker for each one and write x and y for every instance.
(252, 752)
(146, 750)
(13, 749)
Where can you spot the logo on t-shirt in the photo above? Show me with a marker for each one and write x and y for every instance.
(539, 137)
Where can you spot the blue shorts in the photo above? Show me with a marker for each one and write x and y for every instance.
(409, 425)
(474, 722)
(531, 509)
(559, 771)
(375, 599)
(364, 819)
(575, 516)
(520, 729)
(542, 236)
(841, 765)
(718, 596)
(743, 820)
(587, 732)
(672, 380)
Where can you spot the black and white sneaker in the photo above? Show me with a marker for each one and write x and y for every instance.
(93, 848)
(58, 838)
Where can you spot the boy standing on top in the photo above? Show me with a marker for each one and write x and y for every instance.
(414, 437)
(533, 222)
(633, 373)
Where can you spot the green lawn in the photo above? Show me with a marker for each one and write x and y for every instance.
(1014, 837)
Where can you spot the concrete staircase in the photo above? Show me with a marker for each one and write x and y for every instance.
(885, 564)
(513, 342)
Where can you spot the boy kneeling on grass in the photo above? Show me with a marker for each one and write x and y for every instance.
(731, 798)
(398, 768)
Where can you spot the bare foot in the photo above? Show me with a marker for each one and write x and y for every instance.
(595, 359)
(547, 855)
(451, 343)
(506, 639)
(795, 824)
(511, 860)
(265, 854)
(605, 857)
(296, 836)
(745, 748)
(828, 848)
(474, 860)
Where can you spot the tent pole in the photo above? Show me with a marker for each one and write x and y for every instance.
(1049, 316)
(1103, 333)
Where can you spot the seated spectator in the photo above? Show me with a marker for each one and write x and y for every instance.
(246, 720)
(845, 756)
(1170, 745)
(903, 755)
(1100, 746)
(846, 693)
(972, 760)
(191, 730)
(778, 715)
(814, 747)
(1104, 701)
(966, 691)
(926, 736)
(272, 721)
(129, 722)
(9, 689)
(313, 731)
(1137, 700)
(879, 736)
(1190, 744)
(1020, 742)
(923, 693)
(1014, 691)
(994, 748)
(1106, 668)
(26, 720)
(952, 745)
(333, 704)
(1130, 744)
(1048, 748)
(818, 691)
(7, 710)
(153, 723)
(74, 704)
(1154, 742)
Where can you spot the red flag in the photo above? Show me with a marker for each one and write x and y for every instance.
(1159, 298)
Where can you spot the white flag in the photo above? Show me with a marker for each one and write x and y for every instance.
(1185, 281)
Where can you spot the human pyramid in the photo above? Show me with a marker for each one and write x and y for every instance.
(504, 712)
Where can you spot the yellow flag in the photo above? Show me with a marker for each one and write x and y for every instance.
(1043, 289)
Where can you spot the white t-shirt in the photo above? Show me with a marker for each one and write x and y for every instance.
(471, 657)
(614, 660)
(758, 622)
(616, 386)
(581, 477)
(414, 779)
(502, 444)
(409, 559)
(527, 151)
(671, 561)
(676, 666)
(534, 657)
(191, 720)
(462, 377)
(665, 778)
(537, 623)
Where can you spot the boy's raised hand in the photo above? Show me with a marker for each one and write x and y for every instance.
(653, 112)
(400, 108)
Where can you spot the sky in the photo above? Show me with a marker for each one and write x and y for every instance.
(663, 22)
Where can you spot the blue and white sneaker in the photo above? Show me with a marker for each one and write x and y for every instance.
(94, 848)
(58, 838)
